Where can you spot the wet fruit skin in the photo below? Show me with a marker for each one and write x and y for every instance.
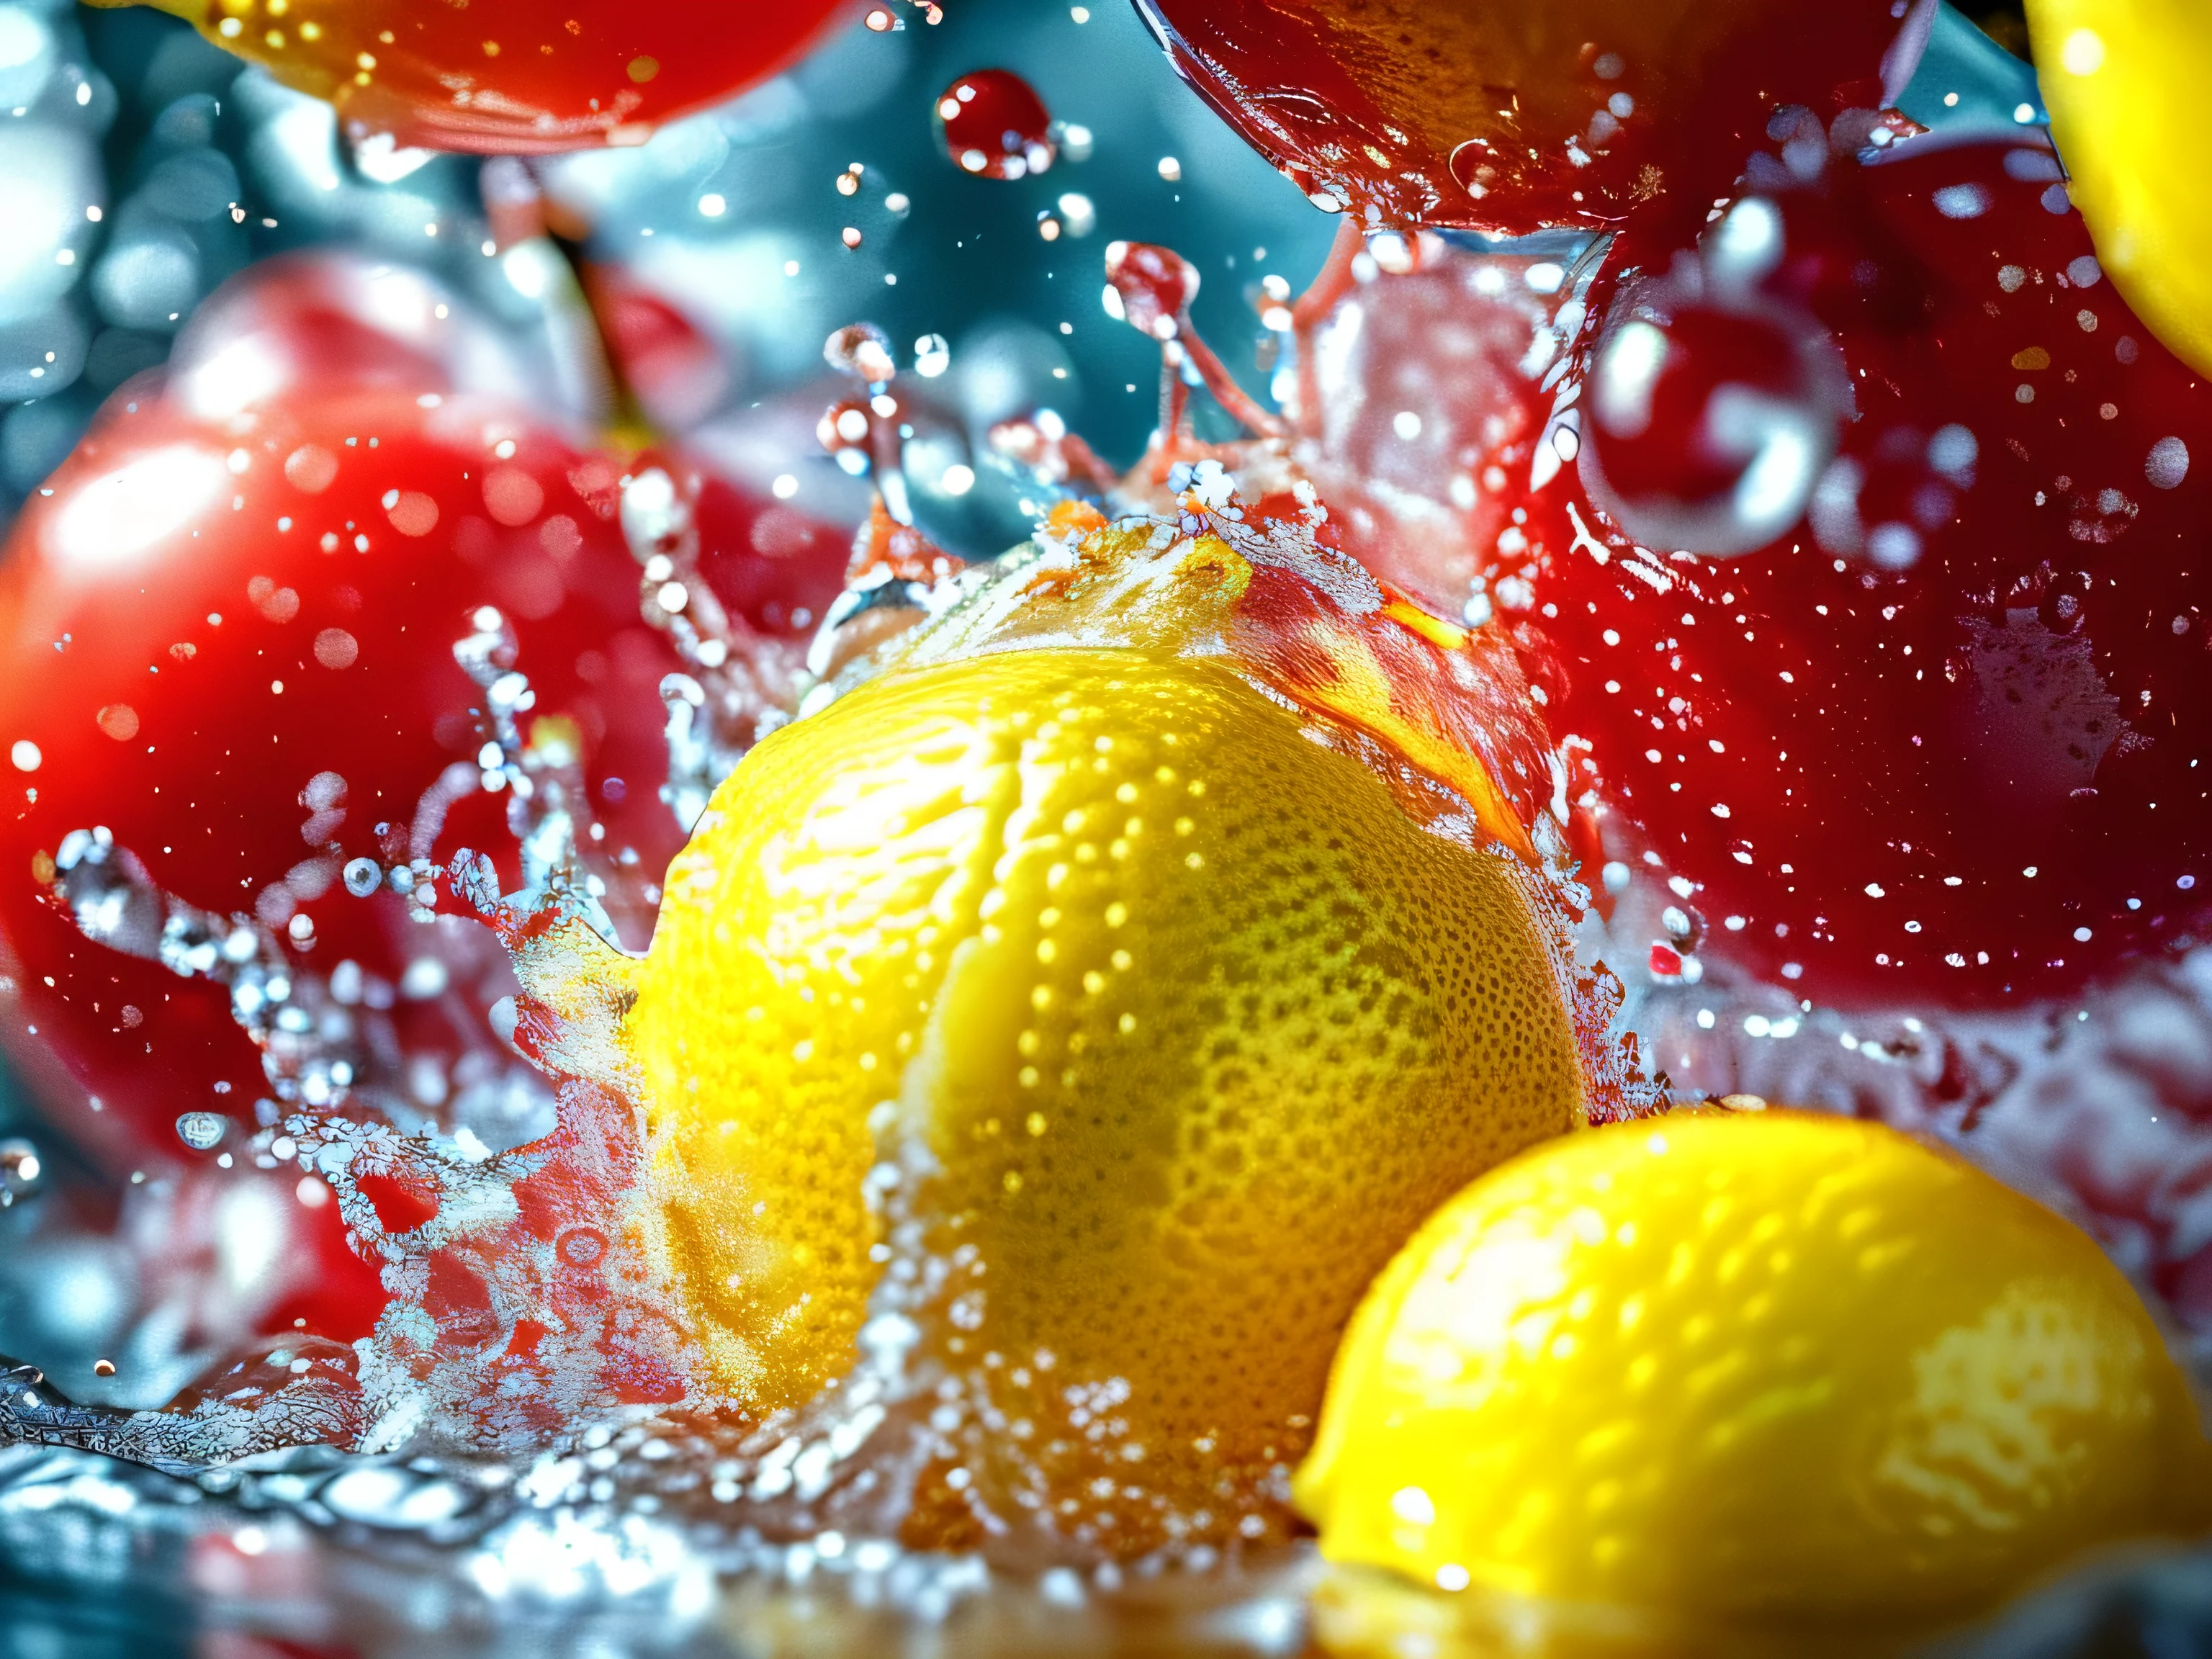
(198, 743)
(1175, 1020)
(1942, 733)
(511, 75)
(2120, 82)
(1713, 1377)
(1508, 118)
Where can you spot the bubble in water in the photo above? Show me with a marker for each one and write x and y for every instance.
(201, 1131)
(995, 126)
(2168, 463)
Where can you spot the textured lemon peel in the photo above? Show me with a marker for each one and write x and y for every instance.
(1878, 1389)
(973, 865)
(1436, 695)
(2124, 81)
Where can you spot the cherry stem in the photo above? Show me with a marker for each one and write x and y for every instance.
(1222, 384)
(1332, 281)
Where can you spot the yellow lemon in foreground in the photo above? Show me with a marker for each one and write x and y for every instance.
(2124, 81)
(1708, 1377)
(1088, 987)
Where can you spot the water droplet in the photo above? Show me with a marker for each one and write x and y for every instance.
(202, 1131)
(995, 126)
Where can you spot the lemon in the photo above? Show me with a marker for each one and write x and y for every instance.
(1779, 1373)
(2124, 80)
(1087, 986)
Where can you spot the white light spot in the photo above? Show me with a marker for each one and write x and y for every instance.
(2083, 53)
(137, 506)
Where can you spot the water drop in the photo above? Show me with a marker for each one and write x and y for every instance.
(202, 1131)
(995, 126)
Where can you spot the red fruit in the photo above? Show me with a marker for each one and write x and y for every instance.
(230, 647)
(1941, 734)
(666, 362)
(512, 74)
(995, 126)
(773, 567)
(1522, 114)
(332, 317)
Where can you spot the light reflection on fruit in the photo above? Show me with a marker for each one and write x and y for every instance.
(1883, 1392)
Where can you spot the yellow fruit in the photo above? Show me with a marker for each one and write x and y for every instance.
(1175, 1023)
(1674, 1384)
(2124, 81)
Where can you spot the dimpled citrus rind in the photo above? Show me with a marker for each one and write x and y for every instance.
(1194, 1024)
(1749, 1371)
(2124, 81)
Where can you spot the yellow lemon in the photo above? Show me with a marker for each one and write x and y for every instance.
(1085, 987)
(2125, 82)
(1704, 1377)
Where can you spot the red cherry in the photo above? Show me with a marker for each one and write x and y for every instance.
(995, 126)
(1941, 734)
(229, 648)
(1511, 116)
(331, 318)
(773, 566)
(513, 75)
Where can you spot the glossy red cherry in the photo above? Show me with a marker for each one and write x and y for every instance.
(229, 649)
(995, 126)
(1510, 116)
(1942, 734)
(512, 74)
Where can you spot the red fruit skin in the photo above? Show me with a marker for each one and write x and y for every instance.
(1893, 782)
(1474, 115)
(518, 75)
(773, 567)
(330, 317)
(158, 525)
(995, 126)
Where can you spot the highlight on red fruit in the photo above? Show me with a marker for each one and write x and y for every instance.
(333, 316)
(1515, 115)
(512, 75)
(1877, 581)
(278, 638)
(995, 126)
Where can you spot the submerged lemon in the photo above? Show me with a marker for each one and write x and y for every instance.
(1705, 1377)
(1160, 1025)
(2124, 81)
